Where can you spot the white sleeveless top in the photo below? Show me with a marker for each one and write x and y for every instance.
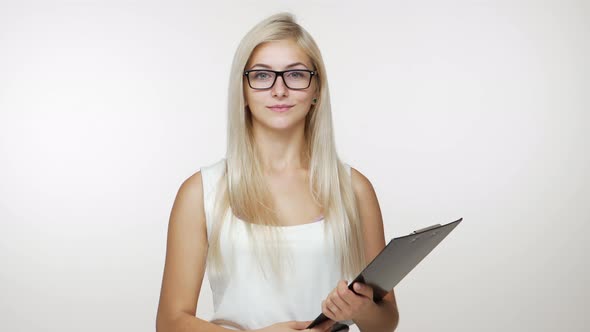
(249, 300)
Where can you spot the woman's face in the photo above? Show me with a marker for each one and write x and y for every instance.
(279, 56)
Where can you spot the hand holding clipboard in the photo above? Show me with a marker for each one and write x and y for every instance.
(395, 261)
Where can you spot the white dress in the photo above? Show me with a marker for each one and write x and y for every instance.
(246, 298)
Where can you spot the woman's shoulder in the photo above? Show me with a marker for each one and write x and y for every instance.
(360, 183)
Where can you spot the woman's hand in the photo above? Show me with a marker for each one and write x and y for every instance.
(343, 304)
(295, 325)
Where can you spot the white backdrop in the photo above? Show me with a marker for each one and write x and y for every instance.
(473, 109)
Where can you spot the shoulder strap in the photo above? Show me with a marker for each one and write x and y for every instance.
(210, 176)
(348, 169)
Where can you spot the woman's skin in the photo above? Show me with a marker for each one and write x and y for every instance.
(280, 139)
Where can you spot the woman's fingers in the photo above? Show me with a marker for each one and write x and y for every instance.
(300, 324)
(337, 303)
(327, 311)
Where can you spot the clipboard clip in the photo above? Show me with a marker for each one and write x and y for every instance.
(426, 229)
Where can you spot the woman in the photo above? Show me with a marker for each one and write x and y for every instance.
(281, 222)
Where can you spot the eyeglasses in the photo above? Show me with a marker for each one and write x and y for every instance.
(296, 79)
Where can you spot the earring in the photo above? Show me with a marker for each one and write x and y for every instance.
(315, 100)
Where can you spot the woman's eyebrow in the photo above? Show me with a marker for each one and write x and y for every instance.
(289, 66)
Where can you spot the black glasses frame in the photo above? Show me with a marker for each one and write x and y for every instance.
(277, 74)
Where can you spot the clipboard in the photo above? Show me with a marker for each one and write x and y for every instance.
(400, 256)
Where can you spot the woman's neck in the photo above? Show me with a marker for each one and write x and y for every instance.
(281, 153)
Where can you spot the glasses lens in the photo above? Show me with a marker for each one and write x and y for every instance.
(261, 79)
(297, 79)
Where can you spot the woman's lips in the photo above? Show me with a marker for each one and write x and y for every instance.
(279, 109)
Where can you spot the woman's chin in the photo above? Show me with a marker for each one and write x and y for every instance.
(281, 124)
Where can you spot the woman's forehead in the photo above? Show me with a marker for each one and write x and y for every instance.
(279, 55)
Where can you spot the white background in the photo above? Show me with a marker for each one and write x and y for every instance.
(473, 109)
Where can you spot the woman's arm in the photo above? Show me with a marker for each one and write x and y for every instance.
(186, 255)
(383, 316)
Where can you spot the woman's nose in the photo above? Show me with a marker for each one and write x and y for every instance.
(279, 88)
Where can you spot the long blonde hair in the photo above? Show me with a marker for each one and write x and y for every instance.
(243, 191)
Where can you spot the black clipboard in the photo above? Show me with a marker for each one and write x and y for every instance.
(400, 256)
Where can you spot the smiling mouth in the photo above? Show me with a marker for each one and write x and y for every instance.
(281, 108)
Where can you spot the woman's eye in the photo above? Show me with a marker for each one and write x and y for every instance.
(261, 76)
